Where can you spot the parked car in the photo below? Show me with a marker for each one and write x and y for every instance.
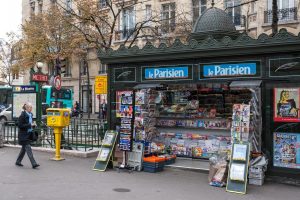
(6, 114)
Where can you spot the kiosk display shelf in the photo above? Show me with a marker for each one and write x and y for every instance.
(191, 120)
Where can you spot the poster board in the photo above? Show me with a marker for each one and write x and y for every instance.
(22, 95)
(101, 85)
(105, 152)
(238, 168)
(124, 105)
(286, 150)
(286, 105)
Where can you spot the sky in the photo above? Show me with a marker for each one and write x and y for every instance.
(10, 16)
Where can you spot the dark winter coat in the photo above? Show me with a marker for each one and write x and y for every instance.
(24, 125)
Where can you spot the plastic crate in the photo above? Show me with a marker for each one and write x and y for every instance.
(253, 181)
(154, 165)
(153, 170)
(154, 159)
(257, 175)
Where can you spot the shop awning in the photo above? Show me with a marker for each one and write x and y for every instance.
(146, 86)
(245, 84)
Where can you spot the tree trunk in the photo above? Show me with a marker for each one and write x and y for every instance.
(274, 17)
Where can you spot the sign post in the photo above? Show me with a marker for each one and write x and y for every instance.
(38, 78)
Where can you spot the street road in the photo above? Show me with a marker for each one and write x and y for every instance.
(73, 179)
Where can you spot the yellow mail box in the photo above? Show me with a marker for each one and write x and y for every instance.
(58, 117)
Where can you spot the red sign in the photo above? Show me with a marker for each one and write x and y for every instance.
(57, 82)
(40, 77)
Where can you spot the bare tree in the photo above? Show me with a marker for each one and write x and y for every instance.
(7, 65)
(47, 36)
(104, 22)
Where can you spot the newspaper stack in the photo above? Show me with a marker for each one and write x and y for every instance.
(258, 167)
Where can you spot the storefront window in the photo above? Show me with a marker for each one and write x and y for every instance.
(188, 120)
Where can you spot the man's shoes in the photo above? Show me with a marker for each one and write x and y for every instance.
(35, 166)
(19, 164)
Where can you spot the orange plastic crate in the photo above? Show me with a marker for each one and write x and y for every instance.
(154, 159)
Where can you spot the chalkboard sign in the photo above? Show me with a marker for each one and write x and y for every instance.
(105, 153)
(238, 168)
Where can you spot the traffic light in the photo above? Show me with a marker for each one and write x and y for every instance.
(57, 67)
(63, 65)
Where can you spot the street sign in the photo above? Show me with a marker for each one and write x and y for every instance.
(57, 82)
(101, 85)
(23, 94)
(39, 77)
(24, 88)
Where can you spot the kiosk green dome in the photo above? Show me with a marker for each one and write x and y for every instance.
(214, 22)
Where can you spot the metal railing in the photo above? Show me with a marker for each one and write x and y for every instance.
(284, 15)
(81, 135)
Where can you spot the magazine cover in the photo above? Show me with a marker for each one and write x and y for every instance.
(286, 104)
(124, 103)
(286, 150)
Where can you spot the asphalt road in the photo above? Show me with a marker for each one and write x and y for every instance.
(73, 179)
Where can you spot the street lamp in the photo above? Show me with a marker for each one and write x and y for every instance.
(38, 78)
(39, 65)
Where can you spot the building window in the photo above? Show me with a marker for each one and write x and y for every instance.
(102, 69)
(40, 5)
(102, 3)
(68, 5)
(83, 67)
(253, 7)
(286, 11)
(199, 6)
(127, 23)
(234, 11)
(32, 7)
(168, 17)
(148, 15)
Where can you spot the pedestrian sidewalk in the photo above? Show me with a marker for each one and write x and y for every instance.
(74, 179)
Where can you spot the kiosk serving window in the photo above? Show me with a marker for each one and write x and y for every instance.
(188, 120)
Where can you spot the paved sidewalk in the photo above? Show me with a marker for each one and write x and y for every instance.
(73, 179)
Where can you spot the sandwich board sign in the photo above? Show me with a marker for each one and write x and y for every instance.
(238, 168)
(105, 152)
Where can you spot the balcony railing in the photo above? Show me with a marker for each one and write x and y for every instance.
(284, 15)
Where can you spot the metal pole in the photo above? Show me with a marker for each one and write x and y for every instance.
(79, 85)
(88, 90)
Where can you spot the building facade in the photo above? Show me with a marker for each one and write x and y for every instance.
(177, 19)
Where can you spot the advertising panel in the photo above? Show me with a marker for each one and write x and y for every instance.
(286, 104)
(286, 150)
